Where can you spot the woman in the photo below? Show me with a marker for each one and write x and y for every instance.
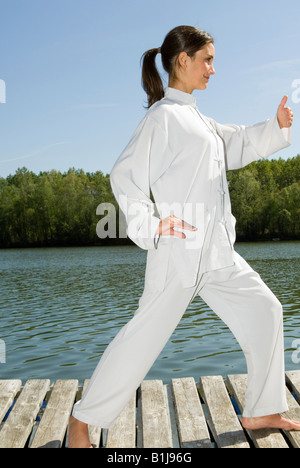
(182, 157)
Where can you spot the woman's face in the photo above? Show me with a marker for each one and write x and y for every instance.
(195, 72)
(201, 67)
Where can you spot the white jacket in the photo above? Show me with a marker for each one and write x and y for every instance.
(182, 157)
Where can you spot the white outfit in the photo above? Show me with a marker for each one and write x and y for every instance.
(182, 157)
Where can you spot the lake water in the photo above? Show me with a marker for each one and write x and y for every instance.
(60, 307)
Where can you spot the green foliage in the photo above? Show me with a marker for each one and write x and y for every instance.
(265, 199)
(52, 208)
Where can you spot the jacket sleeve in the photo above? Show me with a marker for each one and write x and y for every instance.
(245, 144)
(131, 178)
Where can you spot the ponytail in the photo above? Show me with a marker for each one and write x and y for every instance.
(151, 79)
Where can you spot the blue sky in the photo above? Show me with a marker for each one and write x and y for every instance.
(73, 77)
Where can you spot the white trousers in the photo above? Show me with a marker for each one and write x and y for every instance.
(238, 296)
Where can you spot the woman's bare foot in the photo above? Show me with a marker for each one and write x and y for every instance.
(78, 434)
(273, 421)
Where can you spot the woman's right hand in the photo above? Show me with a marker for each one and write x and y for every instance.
(168, 225)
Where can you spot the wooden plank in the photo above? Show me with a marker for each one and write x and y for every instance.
(156, 424)
(94, 431)
(192, 427)
(262, 438)
(17, 428)
(292, 413)
(223, 420)
(52, 428)
(173, 416)
(123, 433)
(8, 391)
(293, 380)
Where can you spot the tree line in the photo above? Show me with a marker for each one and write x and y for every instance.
(59, 209)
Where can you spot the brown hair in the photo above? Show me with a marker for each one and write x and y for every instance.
(181, 39)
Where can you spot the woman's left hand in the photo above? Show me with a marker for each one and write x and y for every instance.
(284, 114)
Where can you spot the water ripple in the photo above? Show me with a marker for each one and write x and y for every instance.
(59, 308)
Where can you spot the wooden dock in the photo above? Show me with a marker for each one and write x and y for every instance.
(184, 414)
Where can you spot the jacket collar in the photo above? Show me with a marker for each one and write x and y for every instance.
(180, 97)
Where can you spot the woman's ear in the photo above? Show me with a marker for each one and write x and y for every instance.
(183, 59)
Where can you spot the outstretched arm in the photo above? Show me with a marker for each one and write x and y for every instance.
(245, 144)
